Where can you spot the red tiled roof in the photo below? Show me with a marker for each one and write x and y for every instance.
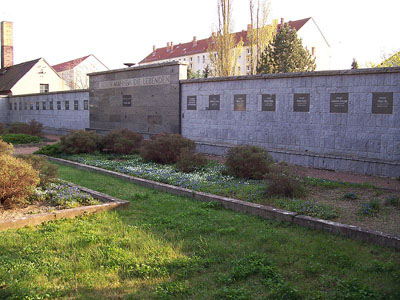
(68, 65)
(202, 45)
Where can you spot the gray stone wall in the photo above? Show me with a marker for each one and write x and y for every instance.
(144, 99)
(56, 111)
(3, 109)
(327, 137)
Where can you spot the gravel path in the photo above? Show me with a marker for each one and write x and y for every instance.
(30, 150)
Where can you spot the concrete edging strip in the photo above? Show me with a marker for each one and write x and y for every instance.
(263, 211)
(32, 220)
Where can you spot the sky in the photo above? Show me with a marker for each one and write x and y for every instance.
(121, 31)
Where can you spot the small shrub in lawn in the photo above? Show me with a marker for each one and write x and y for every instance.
(32, 128)
(281, 183)
(80, 141)
(249, 162)
(18, 180)
(50, 150)
(189, 161)
(350, 196)
(165, 148)
(392, 201)
(370, 208)
(122, 141)
(47, 171)
(20, 138)
(6, 148)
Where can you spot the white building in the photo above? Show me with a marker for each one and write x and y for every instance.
(75, 71)
(196, 55)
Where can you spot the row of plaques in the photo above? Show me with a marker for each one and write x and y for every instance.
(382, 103)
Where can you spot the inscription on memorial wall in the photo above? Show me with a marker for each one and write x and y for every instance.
(133, 82)
(213, 102)
(382, 103)
(191, 103)
(301, 102)
(339, 103)
(239, 102)
(268, 102)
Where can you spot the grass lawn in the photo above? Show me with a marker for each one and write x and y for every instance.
(170, 247)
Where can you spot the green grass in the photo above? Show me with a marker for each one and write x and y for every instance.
(20, 138)
(170, 247)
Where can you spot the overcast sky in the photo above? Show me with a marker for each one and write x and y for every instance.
(120, 31)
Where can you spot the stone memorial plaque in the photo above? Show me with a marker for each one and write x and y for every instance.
(268, 102)
(239, 102)
(339, 103)
(214, 102)
(301, 102)
(382, 103)
(127, 100)
(191, 103)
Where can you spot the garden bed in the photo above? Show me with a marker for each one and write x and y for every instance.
(361, 205)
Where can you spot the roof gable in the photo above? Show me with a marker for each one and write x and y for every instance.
(201, 46)
(69, 65)
(11, 75)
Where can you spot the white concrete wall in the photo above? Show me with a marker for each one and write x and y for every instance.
(41, 73)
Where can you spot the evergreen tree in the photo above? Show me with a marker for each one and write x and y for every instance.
(286, 54)
(354, 64)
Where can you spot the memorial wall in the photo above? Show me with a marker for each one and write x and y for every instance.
(340, 120)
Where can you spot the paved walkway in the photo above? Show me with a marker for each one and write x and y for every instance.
(30, 150)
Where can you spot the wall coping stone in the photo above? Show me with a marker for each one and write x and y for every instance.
(50, 93)
(365, 71)
(263, 211)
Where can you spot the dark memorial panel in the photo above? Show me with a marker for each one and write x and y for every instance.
(339, 103)
(239, 102)
(127, 100)
(214, 102)
(382, 103)
(268, 102)
(191, 103)
(301, 102)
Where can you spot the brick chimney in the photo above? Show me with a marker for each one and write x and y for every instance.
(172, 46)
(7, 53)
(154, 50)
(194, 41)
(168, 46)
(282, 21)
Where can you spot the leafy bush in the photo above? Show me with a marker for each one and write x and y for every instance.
(6, 148)
(189, 161)
(50, 150)
(350, 196)
(393, 201)
(370, 208)
(47, 171)
(122, 141)
(20, 138)
(249, 162)
(32, 128)
(165, 148)
(280, 182)
(17, 180)
(80, 141)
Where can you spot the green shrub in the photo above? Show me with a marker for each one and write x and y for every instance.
(50, 150)
(165, 148)
(393, 201)
(249, 162)
(32, 128)
(350, 196)
(122, 141)
(47, 171)
(20, 138)
(80, 141)
(281, 183)
(6, 148)
(370, 208)
(17, 180)
(189, 161)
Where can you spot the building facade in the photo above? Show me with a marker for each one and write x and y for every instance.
(196, 54)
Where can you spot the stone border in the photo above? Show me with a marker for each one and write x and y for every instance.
(70, 213)
(262, 211)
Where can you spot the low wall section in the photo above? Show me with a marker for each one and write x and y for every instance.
(340, 120)
(58, 111)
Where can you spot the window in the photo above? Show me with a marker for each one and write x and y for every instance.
(25, 105)
(15, 105)
(191, 66)
(58, 105)
(37, 105)
(44, 88)
(191, 59)
(31, 105)
(20, 106)
(44, 105)
(10, 104)
(51, 105)
(204, 59)
(86, 104)
(127, 100)
(248, 50)
(76, 105)
(66, 105)
(198, 59)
